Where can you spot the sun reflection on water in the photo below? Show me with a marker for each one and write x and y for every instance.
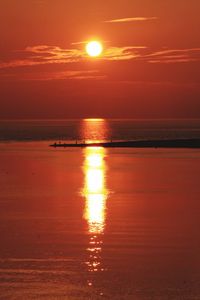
(94, 130)
(95, 190)
(95, 193)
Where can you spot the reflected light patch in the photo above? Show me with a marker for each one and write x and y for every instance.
(94, 181)
(94, 161)
(94, 120)
(95, 191)
(96, 213)
(94, 130)
(95, 194)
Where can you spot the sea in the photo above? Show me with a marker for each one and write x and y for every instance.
(98, 223)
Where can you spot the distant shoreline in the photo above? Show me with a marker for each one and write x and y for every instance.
(175, 143)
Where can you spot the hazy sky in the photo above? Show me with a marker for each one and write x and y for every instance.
(150, 66)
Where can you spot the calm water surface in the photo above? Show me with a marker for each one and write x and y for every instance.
(96, 129)
(99, 223)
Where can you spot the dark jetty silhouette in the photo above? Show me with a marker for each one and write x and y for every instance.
(172, 143)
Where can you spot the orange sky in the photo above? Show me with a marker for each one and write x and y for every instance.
(150, 66)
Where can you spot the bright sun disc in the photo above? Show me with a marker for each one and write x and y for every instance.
(94, 48)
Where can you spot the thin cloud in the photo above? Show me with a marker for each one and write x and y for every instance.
(54, 55)
(87, 41)
(174, 56)
(134, 19)
(122, 53)
(55, 75)
(44, 54)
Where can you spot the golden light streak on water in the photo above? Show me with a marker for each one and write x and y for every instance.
(94, 130)
(95, 191)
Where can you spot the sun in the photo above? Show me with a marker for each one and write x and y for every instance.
(94, 48)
